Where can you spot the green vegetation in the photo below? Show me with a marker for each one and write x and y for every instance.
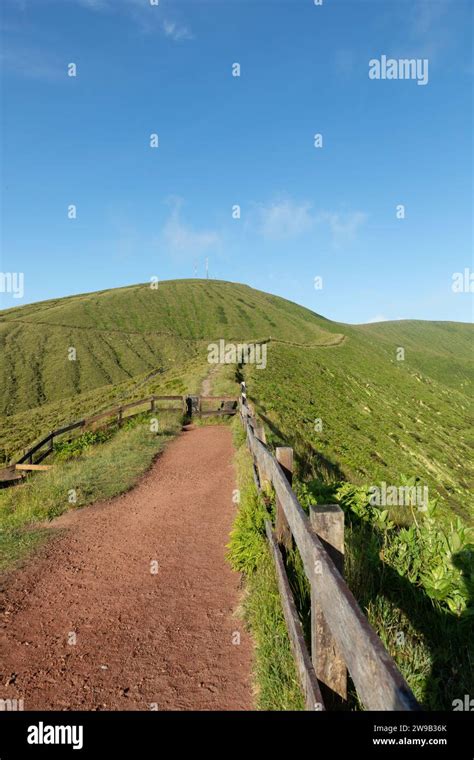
(275, 675)
(355, 413)
(93, 472)
(24, 428)
(119, 334)
(380, 417)
(416, 585)
(65, 450)
(355, 410)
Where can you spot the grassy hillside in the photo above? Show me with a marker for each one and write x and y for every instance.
(381, 418)
(356, 409)
(119, 334)
(22, 428)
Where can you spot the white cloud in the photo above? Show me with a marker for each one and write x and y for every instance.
(181, 239)
(285, 219)
(176, 32)
(344, 227)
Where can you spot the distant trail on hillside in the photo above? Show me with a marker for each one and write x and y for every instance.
(339, 339)
(206, 386)
(91, 623)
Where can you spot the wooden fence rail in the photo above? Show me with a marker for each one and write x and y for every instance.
(40, 450)
(341, 635)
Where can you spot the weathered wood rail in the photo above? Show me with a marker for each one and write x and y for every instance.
(43, 448)
(341, 637)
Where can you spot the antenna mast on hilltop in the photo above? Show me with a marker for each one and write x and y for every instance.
(207, 269)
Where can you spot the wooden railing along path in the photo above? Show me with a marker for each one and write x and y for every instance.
(341, 637)
(187, 405)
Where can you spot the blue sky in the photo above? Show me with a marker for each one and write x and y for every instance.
(306, 212)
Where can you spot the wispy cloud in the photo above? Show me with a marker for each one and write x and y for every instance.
(96, 5)
(429, 23)
(285, 219)
(424, 28)
(176, 32)
(182, 239)
(344, 227)
(149, 18)
(425, 15)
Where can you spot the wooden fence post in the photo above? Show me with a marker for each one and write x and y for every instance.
(152, 404)
(327, 522)
(120, 417)
(284, 456)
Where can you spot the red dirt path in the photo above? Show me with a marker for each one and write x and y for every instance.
(144, 641)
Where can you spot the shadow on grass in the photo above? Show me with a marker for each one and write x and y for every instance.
(310, 462)
(433, 648)
(436, 653)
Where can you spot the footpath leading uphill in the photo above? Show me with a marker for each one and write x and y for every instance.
(132, 604)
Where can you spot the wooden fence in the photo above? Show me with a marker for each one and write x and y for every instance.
(341, 638)
(35, 454)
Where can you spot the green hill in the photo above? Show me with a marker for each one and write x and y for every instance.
(119, 334)
(380, 417)
(360, 405)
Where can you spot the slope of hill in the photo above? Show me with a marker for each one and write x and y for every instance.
(380, 417)
(118, 334)
(357, 413)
